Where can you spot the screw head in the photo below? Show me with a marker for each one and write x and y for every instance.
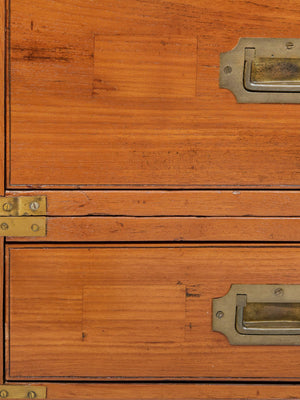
(4, 226)
(35, 228)
(220, 314)
(3, 394)
(34, 206)
(7, 206)
(278, 292)
(31, 395)
(289, 45)
(228, 69)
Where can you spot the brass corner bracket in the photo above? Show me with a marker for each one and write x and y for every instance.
(23, 216)
(22, 392)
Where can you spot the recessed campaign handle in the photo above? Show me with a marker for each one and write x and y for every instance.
(282, 324)
(271, 74)
(262, 70)
(258, 314)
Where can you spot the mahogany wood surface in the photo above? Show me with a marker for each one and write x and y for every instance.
(125, 95)
(166, 229)
(137, 312)
(177, 391)
(220, 203)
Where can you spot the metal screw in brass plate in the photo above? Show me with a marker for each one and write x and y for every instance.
(228, 69)
(34, 206)
(35, 228)
(289, 45)
(31, 395)
(4, 226)
(7, 207)
(4, 394)
(278, 292)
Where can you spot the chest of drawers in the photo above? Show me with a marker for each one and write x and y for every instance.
(135, 192)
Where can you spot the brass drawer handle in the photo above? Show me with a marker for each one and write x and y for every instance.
(267, 318)
(271, 74)
(259, 315)
(262, 70)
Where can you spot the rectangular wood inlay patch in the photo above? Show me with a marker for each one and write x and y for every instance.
(132, 314)
(147, 66)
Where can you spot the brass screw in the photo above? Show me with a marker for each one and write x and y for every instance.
(35, 228)
(4, 226)
(3, 394)
(31, 395)
(289, 45)
(278, 291)
(220, 314)
(228, 69)
(7, 206)
(34, 206)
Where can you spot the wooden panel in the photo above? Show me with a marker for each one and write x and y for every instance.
(164, 229)
(44, 343)
(2, 168)
(169, 203)
(145, 66)
(130, 314)
(69, 129)
(171, 391)
(2, 94)
(1, 309)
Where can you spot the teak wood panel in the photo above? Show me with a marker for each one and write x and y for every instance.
(125, 94)
(220, 203)
(162, 391)
(168, 229)
(116, 312)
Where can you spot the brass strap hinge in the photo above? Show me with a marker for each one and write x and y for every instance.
(22, 392)
(23, 216)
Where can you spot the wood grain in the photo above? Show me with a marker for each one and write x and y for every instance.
(55, 292)
(132, 314)
(168, 229)
(2, 168)
(146, 391)
(220, 203)
(102, 95)
(150, 66)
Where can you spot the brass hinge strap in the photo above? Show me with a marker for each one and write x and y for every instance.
(22, 392)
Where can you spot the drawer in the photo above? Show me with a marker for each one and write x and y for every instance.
(165, 391)
(105, 94)
(137, 312)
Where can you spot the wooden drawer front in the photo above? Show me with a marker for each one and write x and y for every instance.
(136, 312)
(110, 94)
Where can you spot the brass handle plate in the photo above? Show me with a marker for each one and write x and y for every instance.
(259, 315)
(261, 70)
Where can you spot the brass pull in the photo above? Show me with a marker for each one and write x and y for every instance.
(267, 318)
(271, 74)
(259, 315)
(262, 70)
